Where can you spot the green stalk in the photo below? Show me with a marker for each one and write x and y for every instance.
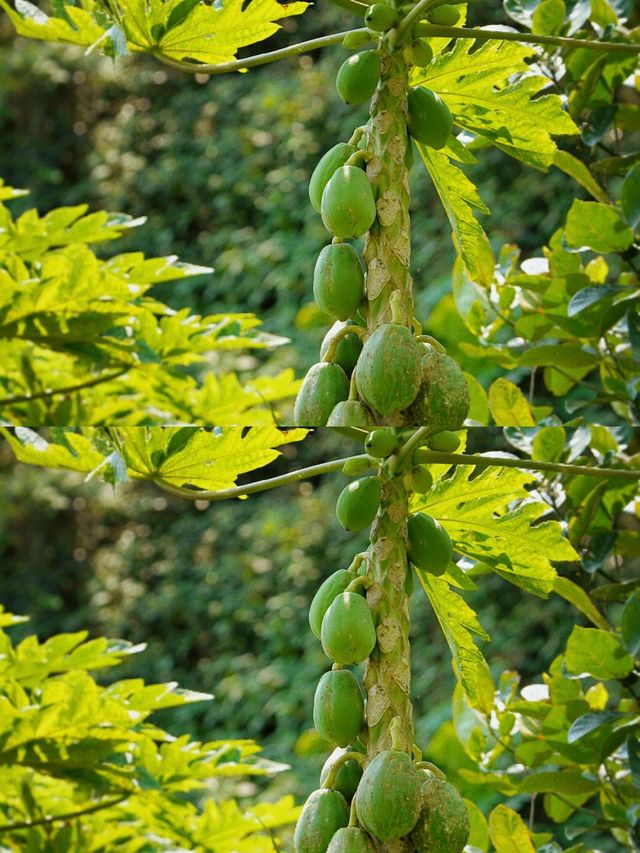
(387, 674)
(387, 246)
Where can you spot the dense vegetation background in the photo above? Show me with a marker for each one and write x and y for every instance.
(220, 594)
(220, 167)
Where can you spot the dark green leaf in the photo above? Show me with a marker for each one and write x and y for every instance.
(630, 197)
(630, 624)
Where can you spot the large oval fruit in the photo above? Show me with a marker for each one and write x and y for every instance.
(348, 349)
(324, 813)
(429, 546)
(388, 371)
(351, 839)
(338, 280)
(351, 413)
(429, 119)
(324, 386)
(358, 503)
(338, 707)
(358, 77)
(348, 207)
(348, 775)
(388, 798)
(443, 399)
(327, 591)
(348, 634)
(328, 163)
(443, 825)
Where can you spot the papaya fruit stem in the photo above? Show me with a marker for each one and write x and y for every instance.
(330, 781)
(357, 135)
(362, 580)
(330, 354)
(353, 817)
(357, 561)
(429, 339)
(433, 769)
(360, 154)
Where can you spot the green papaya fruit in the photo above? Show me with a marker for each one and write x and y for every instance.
(351, 839)
(356, 39)
(348, 775)
(380, 17)
(429, 119)
(324, 386)
(388, 371)
(445, 441)
(323, 814)
(348, 349)
(354, 467)
(388, 798)
(445, 15)
(348, 208)
(338, 707)
(328, 163)
(443, 399)
(351, 413)
(381, 443)
(429, 546)
(443, 825)
(418, 479)
(420, 53)
(348, 634)
(358, 77)
(338, 280)
(327, 591)
(358, 503)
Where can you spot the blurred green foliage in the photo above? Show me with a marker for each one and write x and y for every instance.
(220, 593)
(220, 167)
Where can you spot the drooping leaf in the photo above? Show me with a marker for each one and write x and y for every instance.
(459, 197)
(458, 622)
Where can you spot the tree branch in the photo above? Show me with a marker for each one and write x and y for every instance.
(44, 821)
(260, 58)
(68, 389)
(529, 38)
(258, 485)
(434, 456)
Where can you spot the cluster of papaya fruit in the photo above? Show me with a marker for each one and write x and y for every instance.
(363, 801)
(368, 376)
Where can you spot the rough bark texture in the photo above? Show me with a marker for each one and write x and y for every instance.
(388, 245)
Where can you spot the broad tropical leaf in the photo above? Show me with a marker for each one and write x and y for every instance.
(493, 521)
(177, 29)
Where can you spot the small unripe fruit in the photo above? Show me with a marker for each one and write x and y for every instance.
(348, 775)
(348, 349)
(445, 15)
(429, 121)
(338, 707)
(429, 547)
(358, 503)
(351, 413)
(380, 17)
(338, 280)
(348, 207)
(380, 443)
(358, 77)
(324, 813)
(445, 441)
(327, 591)
(348, 634)
(324, 386)
(328, 163)
(418, 479)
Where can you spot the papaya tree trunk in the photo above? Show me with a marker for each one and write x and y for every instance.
(387, 677)
(387, 247)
